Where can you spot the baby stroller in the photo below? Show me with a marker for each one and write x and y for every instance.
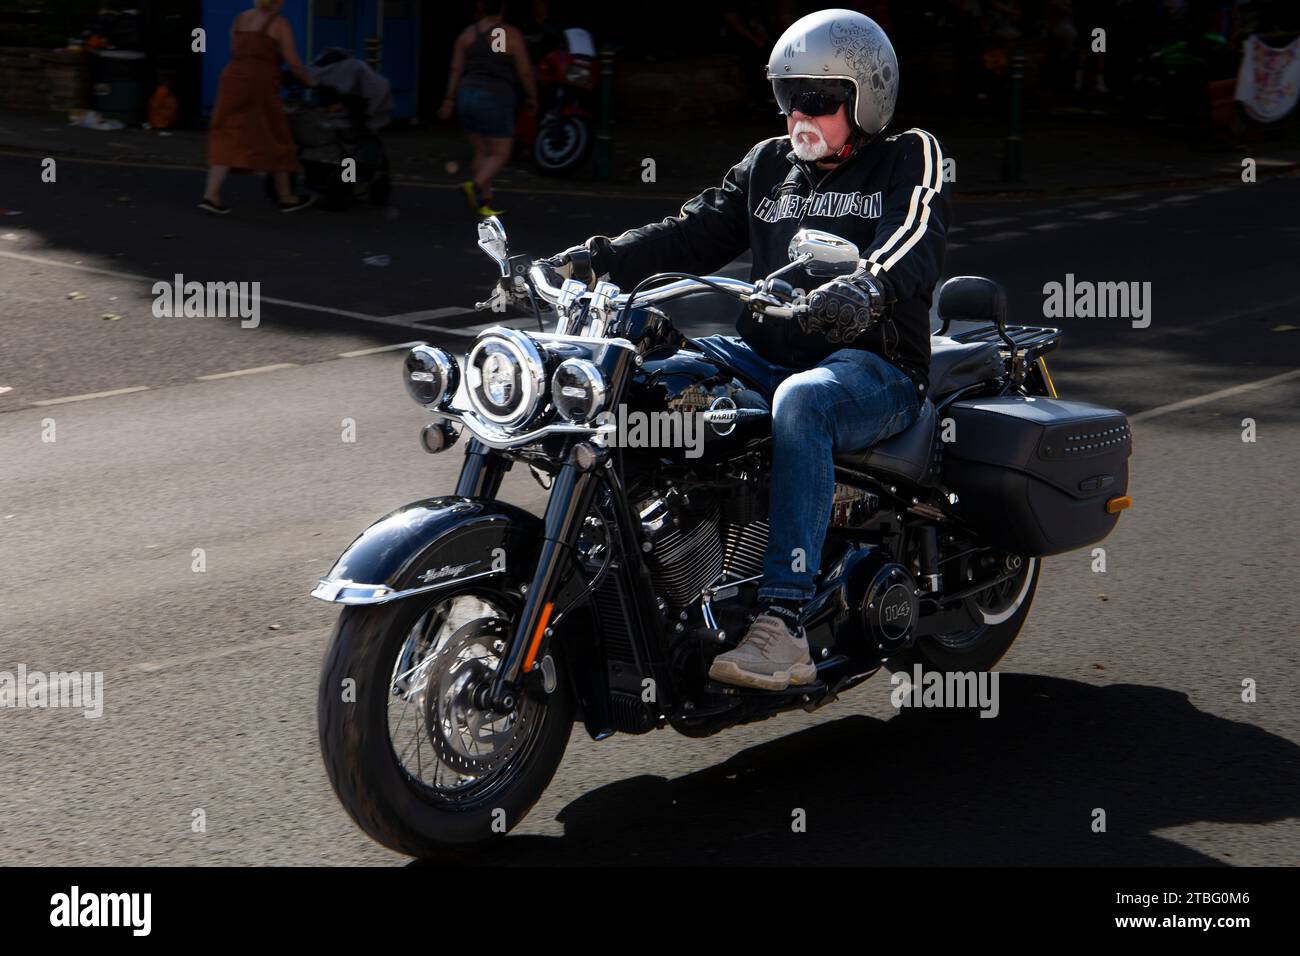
(338, 122)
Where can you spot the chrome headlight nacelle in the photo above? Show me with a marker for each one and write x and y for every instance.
(505, 377)
(431, 375)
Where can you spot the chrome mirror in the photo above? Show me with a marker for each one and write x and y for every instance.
(822, 253)
(492, 240)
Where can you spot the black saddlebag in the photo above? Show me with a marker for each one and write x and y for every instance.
(1033, 475)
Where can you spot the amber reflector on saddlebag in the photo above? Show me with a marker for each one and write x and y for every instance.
(1116, 505)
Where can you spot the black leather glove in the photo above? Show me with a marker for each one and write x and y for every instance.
(846, 307)
(576, 262)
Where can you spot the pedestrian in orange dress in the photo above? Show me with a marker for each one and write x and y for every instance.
(249, 129)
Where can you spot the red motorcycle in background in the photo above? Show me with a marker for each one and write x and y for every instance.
(560, 135)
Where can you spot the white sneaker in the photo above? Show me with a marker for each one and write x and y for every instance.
(770, 657)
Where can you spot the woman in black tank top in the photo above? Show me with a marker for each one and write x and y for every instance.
(488, 59)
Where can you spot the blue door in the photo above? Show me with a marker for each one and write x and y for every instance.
(218, 16)
(321, 24)
(401, 53)
(395, 24)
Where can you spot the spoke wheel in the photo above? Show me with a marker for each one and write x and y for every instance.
(412, 754)
(439, 735)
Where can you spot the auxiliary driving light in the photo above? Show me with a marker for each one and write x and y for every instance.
(431, 375)
(578, 390)
(438, 436)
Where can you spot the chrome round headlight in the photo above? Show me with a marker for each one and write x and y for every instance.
(578, 390)
(505, 376)
(431, 375)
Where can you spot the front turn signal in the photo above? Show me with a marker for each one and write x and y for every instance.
(1115, 505)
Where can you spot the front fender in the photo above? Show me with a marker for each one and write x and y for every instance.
(432, 544)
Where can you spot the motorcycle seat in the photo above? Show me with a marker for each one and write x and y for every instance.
(955, 365)
(906, 455)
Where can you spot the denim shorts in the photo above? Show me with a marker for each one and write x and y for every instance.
(486, 113)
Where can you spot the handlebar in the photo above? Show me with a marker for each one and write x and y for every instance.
(748, 292)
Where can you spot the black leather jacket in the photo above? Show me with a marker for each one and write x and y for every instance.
(887, 197)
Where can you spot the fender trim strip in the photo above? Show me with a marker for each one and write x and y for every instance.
(350, 592)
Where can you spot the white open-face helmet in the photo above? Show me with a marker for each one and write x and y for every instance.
(832, 57)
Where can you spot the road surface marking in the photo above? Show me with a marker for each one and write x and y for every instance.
(424, 318)
(357, 353)
(152, 667)
(136, 164)
(443, 313)
(74, 265)
(311, 307)
(248, 371)
(89, 395)
(1214, 396)
(39, 260)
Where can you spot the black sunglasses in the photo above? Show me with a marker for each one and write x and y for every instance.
(812, 97)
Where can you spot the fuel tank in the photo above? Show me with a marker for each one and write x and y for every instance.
(690, 408)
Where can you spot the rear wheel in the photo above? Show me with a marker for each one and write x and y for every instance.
(1001, 611)
(414, 759)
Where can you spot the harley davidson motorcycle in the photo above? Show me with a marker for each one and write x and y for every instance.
(474, 633)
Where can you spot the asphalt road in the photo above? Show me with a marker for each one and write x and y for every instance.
(1122, 693)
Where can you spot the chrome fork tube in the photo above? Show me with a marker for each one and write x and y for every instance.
(482, 471)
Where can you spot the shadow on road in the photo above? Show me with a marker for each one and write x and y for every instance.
(942, 788)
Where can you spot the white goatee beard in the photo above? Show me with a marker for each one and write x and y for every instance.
(808, 152)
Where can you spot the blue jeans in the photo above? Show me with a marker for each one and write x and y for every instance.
(486, 112)
(847, 402)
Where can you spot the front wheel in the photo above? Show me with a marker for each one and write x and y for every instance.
(1001, 610)
(415, 762)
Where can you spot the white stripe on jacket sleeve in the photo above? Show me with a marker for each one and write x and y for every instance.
(918, 210)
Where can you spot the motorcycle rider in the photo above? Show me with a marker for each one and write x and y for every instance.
(853, 370)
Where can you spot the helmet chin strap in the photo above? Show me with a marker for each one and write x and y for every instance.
(854, 142)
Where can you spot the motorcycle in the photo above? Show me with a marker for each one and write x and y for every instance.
(560, 139)
(474, 634)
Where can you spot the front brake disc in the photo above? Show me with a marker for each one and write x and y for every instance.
(469, 740)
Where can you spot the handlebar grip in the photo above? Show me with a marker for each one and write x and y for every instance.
(546, 280)
(786, 311)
